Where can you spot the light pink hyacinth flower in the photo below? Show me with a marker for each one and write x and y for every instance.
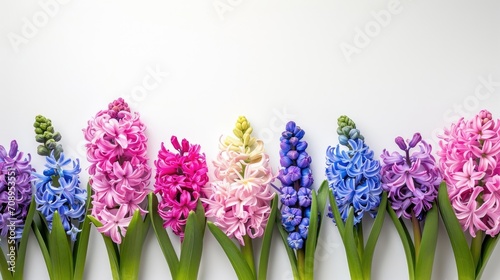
(469, 160)
(239, 198)
(119, 172)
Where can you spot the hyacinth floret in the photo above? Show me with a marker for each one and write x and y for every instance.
(296, 181)
(15, 189)
(240, 196)
(179, 180)
(117, 152)
(410, 180)
(469, 159)
(352, 173)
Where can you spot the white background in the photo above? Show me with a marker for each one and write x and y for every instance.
(418, 69)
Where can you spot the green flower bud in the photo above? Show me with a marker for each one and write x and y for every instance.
(48, 135)
(40, 119)
(38, 131)
(51, 144)
(39, 138)
(345, 121)
(42, 150)
(57, 151)
(36, 124)
(57, 136)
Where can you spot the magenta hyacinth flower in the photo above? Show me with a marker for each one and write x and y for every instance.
(119, 171)
(15, 189)
(469, 160)
(180, 178)
(410, 180)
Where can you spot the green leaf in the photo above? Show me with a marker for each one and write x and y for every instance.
(162, 236)
(243, 271)
(131, 247)
(405, 237)
(353, 260)
(112, 249)
(488, 247)
(60, 251)
(425, 260)
(39, 227)
(201, 218)
(312, 238)
(289, 251)
(81, 244)
(373, 237)
(322, 199)
(23, 243)
(191, 249)
(4, 267)
(336, 215)
(266, 240)
(463, 257)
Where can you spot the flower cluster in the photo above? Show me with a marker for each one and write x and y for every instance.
(15, 189)
(411, 180)
(116, 150)
(58, 187)
(239, 197)
(296, 180)
(353, 174)
(469, 160)
(180, 178)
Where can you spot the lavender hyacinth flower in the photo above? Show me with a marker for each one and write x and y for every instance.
(296, 180)
(411, 180)
(353, 174)
(15, 189)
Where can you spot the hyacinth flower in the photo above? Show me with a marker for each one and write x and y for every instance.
(411, 181)
(119, 177)
(239, 200)
(301, 208)
(354, 179)
(17, 208)
(468, 198)
(180, 178)
(61, 226)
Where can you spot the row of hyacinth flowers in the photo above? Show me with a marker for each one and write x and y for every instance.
(238, 199)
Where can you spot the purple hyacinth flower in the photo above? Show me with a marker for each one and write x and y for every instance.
(15, 190)
(295, 241)
(304, 195)
(296, 180)
(304, 228)
(288, 196)
(291, 217)
(411, 180)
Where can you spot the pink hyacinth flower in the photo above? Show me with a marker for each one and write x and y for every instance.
(180, 177)
(469, 159)
(116, 149)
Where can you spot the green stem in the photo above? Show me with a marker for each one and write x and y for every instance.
(301, 261)
(360, 241)
(417, 234)
(247, 252)
(475, 247)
